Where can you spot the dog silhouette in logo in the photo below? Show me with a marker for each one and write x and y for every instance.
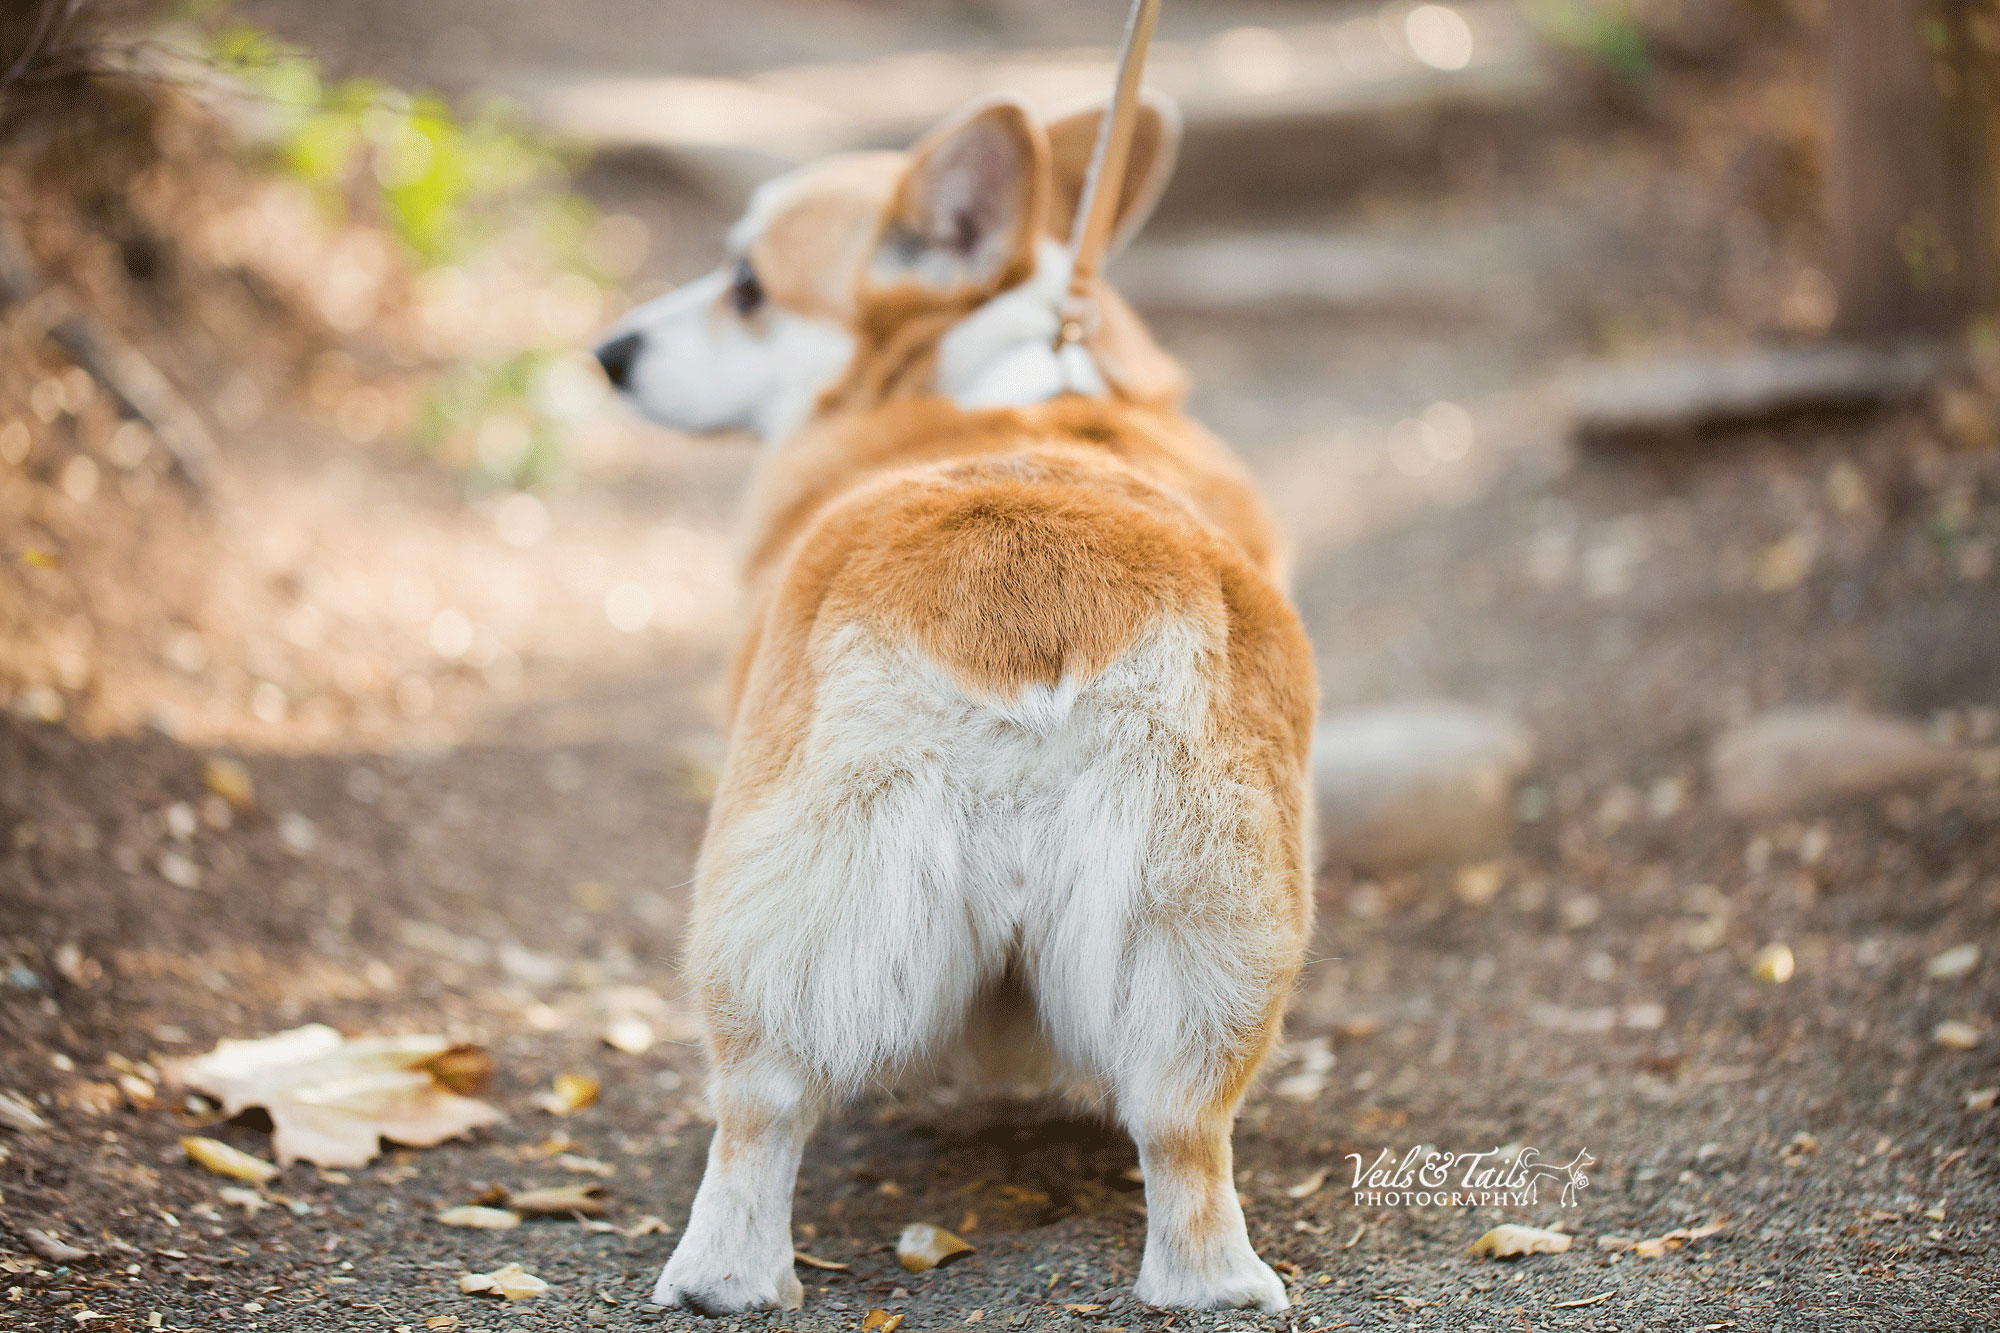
(1571, 1174)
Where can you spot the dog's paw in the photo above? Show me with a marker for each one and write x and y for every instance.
(1247, 1280)
(708, 1287)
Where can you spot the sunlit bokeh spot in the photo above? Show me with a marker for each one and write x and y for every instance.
(1254, 60)
(1439, 36)
(1446, 430)
(451, 633)
(522, 520)
(628, 606)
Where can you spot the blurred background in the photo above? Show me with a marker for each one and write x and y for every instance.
(1625, 372)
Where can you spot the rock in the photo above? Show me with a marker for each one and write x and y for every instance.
(1404, 784)
(1793, 759)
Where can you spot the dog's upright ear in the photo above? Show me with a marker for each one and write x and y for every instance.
(1156, 145)
(969, 208)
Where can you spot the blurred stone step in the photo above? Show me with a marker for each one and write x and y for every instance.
(1306, 111)
(1460, 272)
(1681, 394)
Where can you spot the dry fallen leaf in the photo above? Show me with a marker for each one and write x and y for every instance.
(1955, 1035)
(1658, 1246)
(249, 1200)
(1802, 1145)
(923, 1247)
(228, 779)
(1953, 963)
(559, 1201)
(629, 1033)
(648, 1225)
(1316, 1059)
(510, 1282)
(462, 1069)
(1308, 1187)
(17, 1115)
(880, 1321)
(332, 1100)
(1510, 1241)
(569, 1092)
(52, 1248)
(480, 1218)
(1785, 563)
(224, 1160)
(589, 1166)
(814, 1261)
(1982, 1099)
(1477, 885)
(1774, 964)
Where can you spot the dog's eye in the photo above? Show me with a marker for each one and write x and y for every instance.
(746, 293)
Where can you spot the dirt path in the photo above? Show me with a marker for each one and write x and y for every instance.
(492, 838)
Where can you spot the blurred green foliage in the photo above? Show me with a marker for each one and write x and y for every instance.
(517, 426)
(445, 185)
(448, 186)
(1604, 32)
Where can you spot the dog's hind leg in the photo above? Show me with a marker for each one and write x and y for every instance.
(839, 941)
(737, 1251)
(1198, 1253)
(1170, 1000)
(1177, 912)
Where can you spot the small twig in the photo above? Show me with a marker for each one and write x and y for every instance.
(141, 391)
(1598, 1299)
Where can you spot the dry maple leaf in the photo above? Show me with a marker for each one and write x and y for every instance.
(332, 1100)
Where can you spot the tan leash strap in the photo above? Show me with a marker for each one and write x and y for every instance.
(1097, 209)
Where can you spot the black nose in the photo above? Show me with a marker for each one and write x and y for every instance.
(618, 355)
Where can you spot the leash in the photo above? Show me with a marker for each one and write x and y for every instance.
(1103, 186)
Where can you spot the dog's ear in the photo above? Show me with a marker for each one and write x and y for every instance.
(1156, 144)
(969, 208)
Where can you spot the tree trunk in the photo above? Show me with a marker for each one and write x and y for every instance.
(1912, 192)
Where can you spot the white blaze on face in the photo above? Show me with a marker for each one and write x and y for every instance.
(701, 366)
(718, 354)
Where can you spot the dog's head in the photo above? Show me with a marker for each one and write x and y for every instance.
(874, 275)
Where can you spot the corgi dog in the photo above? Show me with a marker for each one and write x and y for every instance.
(1018, 720)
